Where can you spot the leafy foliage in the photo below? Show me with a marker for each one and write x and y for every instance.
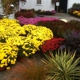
(75, 23)
(72, 41)
(27, 14)
(43, 12)
(62, 66)
(58, 27)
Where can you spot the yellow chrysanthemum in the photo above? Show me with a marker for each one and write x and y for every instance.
(7, 68)
(36, 36)
(8, 52)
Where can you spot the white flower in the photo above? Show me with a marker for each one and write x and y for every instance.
(64, 20)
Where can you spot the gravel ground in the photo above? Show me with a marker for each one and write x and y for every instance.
(64, 16)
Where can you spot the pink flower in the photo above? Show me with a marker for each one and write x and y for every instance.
(34, 21)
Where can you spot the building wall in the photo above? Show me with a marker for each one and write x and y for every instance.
(1, 8)
(46, 4)
(30, 4)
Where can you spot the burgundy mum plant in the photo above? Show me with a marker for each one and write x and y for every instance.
(34, 21)
(45, 12)
(27, 14)
(52, 44)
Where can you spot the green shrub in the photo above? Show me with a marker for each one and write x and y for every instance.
(75, 23)
(76, 5)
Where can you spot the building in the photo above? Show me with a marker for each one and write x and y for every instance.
(1, 8)
(58, 5)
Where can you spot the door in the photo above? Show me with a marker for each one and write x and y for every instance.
(63, 6)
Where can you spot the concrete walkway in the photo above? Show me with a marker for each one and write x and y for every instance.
(64, 16)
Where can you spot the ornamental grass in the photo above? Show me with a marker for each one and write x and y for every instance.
(34, 71)
(62, 66)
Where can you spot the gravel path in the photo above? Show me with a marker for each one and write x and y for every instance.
(64, 16)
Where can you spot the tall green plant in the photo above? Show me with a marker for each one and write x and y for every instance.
(62, 66)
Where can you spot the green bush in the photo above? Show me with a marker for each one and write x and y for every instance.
(76, 5)
(75, 23)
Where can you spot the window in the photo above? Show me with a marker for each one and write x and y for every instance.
(38, 1)
(24, 0)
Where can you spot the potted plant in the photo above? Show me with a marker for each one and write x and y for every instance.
(62, 66)
(8, 55)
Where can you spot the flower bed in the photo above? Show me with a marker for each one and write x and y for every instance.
(40, 12)
(34, 21)
(70, 31)
(26, 40)
(58, 27)
(16, 40)
(44, 12)
(75, 10)
(76, 13)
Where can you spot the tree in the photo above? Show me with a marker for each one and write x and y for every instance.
(8, 5)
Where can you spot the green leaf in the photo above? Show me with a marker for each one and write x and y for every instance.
(62, 65)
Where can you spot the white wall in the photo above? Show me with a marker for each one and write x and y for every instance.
(1, 8)
(46, 5)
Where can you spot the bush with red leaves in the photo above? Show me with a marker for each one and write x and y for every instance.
(27, 14)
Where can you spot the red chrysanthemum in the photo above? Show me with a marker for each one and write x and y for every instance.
(52, 44)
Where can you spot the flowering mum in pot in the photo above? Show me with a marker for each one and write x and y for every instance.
(30, 43)
(26, 39)
(36, 36)
(8, 51)
(52, 44)
(8, 55)
(9, 28)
